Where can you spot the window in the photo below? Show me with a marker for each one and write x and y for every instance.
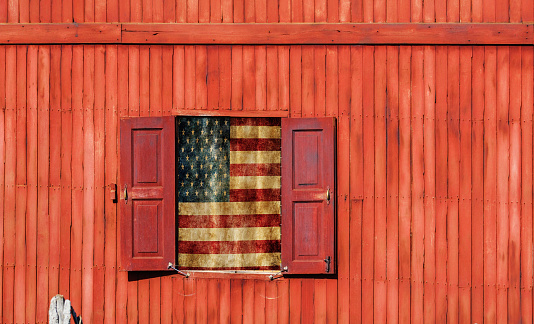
(152, 191)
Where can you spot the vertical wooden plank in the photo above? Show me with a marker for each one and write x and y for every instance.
(343, 162)
(283, 74)
(122, 101)
(307, 314)
(249, 78)
(320, 81)
(490, 193)
(283, 301)
(503, 173)
(88, 213)
(2, 167)
(213, 300)
(13, 11)
(203, 11)
(527, 274)
(178, 78)
(133, 80)
(236, 295)
(260, 8)
(320, 11)
(239, 11)
(99, 147)
(477, 174)
(10, 181)
(148, 8)
(43, 167)
(157, 11)
(24, 11)
(514, 243)
(54, 204)
(225, 77)
(213, 77)
(154, 300)
(295, 81)
(308, 81)
(392, 181)
(110, 176)
(156, 80)
(201, 70)
(124, 11)
(356, 186)
(192, 11)
(202, 301)
(367, 11)
(259, 302)
(368, 230)
(319, 301)
(225, 301)
(379, 10)
(271, 303)
(237, 78)
(248, 301)
(144, 81)
(132, 302)
(464, 204)
(166, 299)
(297, 11)
(295, 293)
(404, 184)
(272, 11)
(272, 78)
(331, 68)
(453, 179)
(453, 10)
(441, 184)
(527, 10)
(77, 183)
(143, 303)
(21, 189)
(122, 86)
(502, 11)
(100, 10)
(380, 185)
(227, 11)
(166, 79)
(418, 211)
(429, 144)
(178, 296)
(332, 301)
(31, 178)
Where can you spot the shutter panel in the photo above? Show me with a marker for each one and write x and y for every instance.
(148, 208)
(308, 216)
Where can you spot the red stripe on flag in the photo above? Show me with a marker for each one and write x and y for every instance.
(254, 194)
(228, 247)
(228, 221)
(255, 144)
(258, 169)
(248, 121)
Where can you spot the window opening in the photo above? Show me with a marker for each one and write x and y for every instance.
(228, 193)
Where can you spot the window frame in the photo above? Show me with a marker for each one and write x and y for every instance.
(236, 274)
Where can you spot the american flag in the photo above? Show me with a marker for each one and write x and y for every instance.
(228, 193)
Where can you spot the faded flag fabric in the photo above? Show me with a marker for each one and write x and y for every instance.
(228, 192)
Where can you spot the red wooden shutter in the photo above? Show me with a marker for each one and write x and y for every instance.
(308, 195)
(147, 193)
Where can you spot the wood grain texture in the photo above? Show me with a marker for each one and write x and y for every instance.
(434, 174)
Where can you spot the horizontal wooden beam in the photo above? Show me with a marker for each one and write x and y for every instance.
(274, 34)
(307, 33)
(60, 33)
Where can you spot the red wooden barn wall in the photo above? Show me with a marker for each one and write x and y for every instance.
(434, 163)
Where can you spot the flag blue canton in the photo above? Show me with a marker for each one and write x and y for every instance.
(204, 159)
